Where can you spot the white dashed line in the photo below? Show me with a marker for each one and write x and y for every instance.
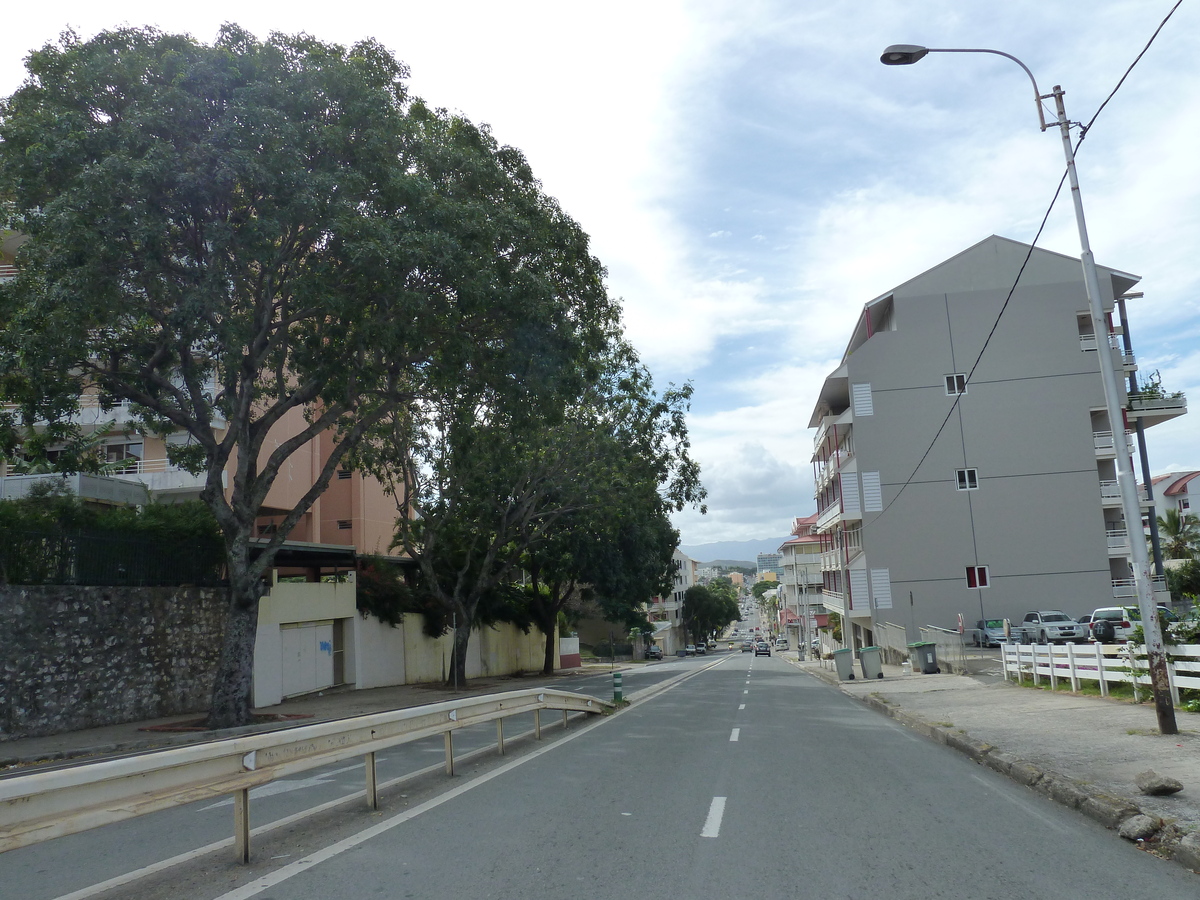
(712, 825)
(743, 706)
(733, 736)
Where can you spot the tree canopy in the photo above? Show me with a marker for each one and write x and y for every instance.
(257, 243)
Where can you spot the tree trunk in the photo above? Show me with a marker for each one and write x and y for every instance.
(231, 695)
(548, 663)
(457, 676)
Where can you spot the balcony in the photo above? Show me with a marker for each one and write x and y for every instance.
(1118, 542)
(1152, 409)
(7, 272)
(1110, 494)
(1106, 446)
(97, 488)
(1125, 589)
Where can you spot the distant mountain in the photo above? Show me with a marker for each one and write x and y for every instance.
(728, 552)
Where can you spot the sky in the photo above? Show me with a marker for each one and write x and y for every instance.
(751, 175)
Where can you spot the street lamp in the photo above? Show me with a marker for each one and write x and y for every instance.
(906, 55)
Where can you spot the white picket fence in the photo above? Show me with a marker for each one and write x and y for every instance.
(1103, 663)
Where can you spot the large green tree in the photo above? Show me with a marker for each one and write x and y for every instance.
(705, 611)
(631, 469)
(256, 243)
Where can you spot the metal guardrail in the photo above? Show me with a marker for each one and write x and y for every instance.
(44, 805)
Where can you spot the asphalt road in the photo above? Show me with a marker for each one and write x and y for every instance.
(748, 779)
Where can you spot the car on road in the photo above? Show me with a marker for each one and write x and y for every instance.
(988, 633)
(762, 648)
(1050, 626)
(747, 646)
(701, 648)
(690, 650)
(654, 652)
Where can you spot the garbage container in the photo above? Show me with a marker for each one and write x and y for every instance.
(681, 653)
(871, 659)
(924, 657)
(844, 660)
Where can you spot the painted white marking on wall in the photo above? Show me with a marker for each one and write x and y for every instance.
(712, 825)
(733, 736)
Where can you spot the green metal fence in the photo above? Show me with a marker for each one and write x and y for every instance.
(29, 558)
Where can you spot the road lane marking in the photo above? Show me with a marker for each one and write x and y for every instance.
(743, 706)
(712, 825)
(733, 736)
(746, 692)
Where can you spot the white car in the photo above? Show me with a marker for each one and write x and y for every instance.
(781, 644)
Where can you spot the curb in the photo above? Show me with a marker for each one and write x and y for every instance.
(1106, 809)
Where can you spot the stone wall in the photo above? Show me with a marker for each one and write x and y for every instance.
(81, 657)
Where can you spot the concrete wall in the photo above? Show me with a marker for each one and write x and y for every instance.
(384, 655)
(81, 657)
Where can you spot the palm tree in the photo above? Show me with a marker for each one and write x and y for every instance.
(1180, 533)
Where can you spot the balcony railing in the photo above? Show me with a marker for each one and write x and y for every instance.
(1105, 445)
(1110, 492)
(1088, 342)
(7, 272)
(1118, 540)
(1124, 588)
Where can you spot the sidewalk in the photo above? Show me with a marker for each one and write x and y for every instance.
(1082, 751)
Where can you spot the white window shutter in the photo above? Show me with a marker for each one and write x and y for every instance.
(881, 589)
(872, 492)
(850, 501)
(860, 597)
(860, 395)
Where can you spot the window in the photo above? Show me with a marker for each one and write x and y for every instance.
(956, 384)
(967, 479)
(1184, 503)
(977, 577)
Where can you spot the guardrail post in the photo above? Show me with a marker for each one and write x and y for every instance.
(241, 825)
(372, 782)
(500, 736)
(618, 694)
(564, 720)
(537, 724)
(449, 752)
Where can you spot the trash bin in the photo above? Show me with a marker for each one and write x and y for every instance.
(871, 659)
(924, 657)
(681, 653)
(844, 660)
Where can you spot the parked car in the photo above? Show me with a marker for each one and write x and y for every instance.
(782, 644)
(1124, 620)
(747, 646)
(712, 645)
(762, 648)
(988, 633)
(690, 650)
(1114, 624)
(1085, 622)
(701, 648)
(1050, 626)
(654, 652)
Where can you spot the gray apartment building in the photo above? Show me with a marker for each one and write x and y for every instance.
(963, 458)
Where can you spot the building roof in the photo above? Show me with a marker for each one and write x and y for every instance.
(1180, 485)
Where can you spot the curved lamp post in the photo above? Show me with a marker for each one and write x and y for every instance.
(906, 55)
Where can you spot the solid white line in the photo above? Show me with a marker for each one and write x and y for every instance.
(712, 825)
(733, 736)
